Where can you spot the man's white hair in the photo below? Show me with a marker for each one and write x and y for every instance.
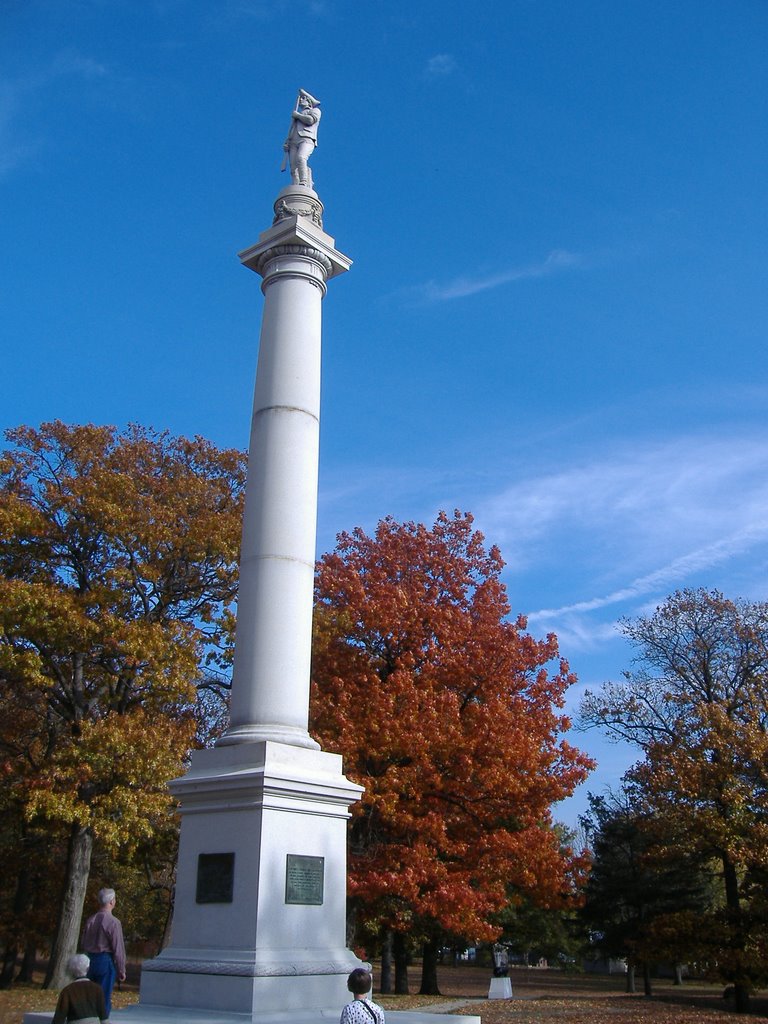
(78, 965)
(106, 896)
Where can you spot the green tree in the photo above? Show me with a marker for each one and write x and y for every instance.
(118, 567)
(697, 705)
(445, 710)
(632, 886)
(554, 933)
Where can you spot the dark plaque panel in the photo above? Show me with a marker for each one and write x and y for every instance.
(304, 880)
(215, 877)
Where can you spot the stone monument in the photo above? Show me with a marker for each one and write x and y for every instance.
(259, 919)
(501, 986)
(259, 923)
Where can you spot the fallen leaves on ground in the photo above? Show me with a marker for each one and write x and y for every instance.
(21, 999)
(627, 1010)
(598, 1010)
(530, 1006)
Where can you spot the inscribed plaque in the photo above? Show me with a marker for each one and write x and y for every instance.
(215, 877)
(304, 880)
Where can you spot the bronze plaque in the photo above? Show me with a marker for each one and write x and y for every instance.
(304, 880)
(215, 877)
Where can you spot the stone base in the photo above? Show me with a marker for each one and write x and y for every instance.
(163, 1015)
(270, 940)
(211, 979)
(501, 988)
(145, 1014)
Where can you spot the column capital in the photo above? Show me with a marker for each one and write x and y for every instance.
(295, 234)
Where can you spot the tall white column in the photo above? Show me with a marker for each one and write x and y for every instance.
(270, 685)
(259, 921)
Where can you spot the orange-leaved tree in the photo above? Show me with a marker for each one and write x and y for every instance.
(118, 568)
(449, 713)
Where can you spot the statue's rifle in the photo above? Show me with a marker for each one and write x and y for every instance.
(293, 121)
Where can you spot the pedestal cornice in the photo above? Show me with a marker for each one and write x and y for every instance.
(266, 774)
(295, 235)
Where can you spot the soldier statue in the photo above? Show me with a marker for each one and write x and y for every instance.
(302, 138)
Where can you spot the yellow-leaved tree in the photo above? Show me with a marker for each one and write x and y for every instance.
(118, 569)
(696, 703)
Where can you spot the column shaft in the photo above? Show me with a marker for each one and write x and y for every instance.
(270, 686)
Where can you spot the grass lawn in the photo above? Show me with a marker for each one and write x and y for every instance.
(539, 996)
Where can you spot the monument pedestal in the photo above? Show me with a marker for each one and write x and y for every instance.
(141, 1014)
(501, 988)
(262, 867)
(261, 910)
(168, 1015)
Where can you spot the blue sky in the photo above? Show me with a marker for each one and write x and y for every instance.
(556, 317)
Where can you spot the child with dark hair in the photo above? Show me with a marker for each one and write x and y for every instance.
(361, 1010)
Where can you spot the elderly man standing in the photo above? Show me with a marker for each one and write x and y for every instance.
(103, 942)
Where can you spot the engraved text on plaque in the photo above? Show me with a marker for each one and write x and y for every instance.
(304, 880)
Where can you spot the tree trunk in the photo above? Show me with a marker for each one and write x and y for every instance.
(631, 979)
(351, 921)
(22, 899)
(647, 980)
(71, 911)
(165, 938)
(400, 953)
(741, 993)
(386, 963)
(733, 904)
(9, 963)
(28, 962)
(429, 985)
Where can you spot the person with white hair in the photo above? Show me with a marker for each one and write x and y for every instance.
(82, 1000)
(103, 942)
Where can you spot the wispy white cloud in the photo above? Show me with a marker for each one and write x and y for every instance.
(441, 65)
(612, 532)
(68, 62)
(649, 493)
(557, 261)
(630, 526)
(574, 632)
(13, 150)
(269, 10)
(670, 575)
(350, 498)
(16, 145)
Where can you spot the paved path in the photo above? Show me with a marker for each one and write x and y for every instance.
(446, 1007)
